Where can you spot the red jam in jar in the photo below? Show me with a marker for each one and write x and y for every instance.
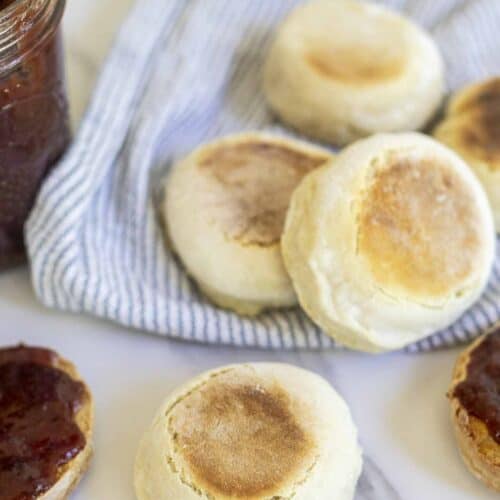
(34, 125)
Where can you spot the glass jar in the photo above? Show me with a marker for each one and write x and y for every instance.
(34, 125)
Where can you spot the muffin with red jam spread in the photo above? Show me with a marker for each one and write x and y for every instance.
(475, 407)
(46, 420)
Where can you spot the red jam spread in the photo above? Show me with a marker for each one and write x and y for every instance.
(34, 132)
(38, 432)
(479, 393)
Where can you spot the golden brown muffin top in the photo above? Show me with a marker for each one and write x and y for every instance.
(418, 229)
(472, 125)
(255, 180)
(240, 436)
(336, 51)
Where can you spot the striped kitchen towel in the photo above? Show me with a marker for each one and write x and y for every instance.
(182, 72)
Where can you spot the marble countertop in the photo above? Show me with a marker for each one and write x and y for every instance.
(398, 400)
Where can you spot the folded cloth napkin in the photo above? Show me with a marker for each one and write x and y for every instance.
(182, 72)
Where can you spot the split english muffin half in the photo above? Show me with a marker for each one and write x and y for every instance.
(224, 209)
(340, 70)
(475, 408)
(390, 243)
(72, 473)
(471, 127)
(49, 412)
(253, 431)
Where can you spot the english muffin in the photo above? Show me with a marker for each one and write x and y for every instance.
(475, 408)
(49, 413)
(255, 432)
(390, 244)
(224, 209)
(472, 128)
(340, 70)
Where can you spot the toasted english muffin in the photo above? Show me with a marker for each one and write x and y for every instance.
(472, 128)
(340, 70)
(389, 244)
(253, 431)
(71, 473)
(478, 447)
(49, 411)
(224, 209)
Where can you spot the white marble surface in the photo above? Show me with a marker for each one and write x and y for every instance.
(397, 400)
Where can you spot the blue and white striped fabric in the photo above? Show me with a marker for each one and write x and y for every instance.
(182, 72)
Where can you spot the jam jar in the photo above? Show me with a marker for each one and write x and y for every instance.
(34, 124)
